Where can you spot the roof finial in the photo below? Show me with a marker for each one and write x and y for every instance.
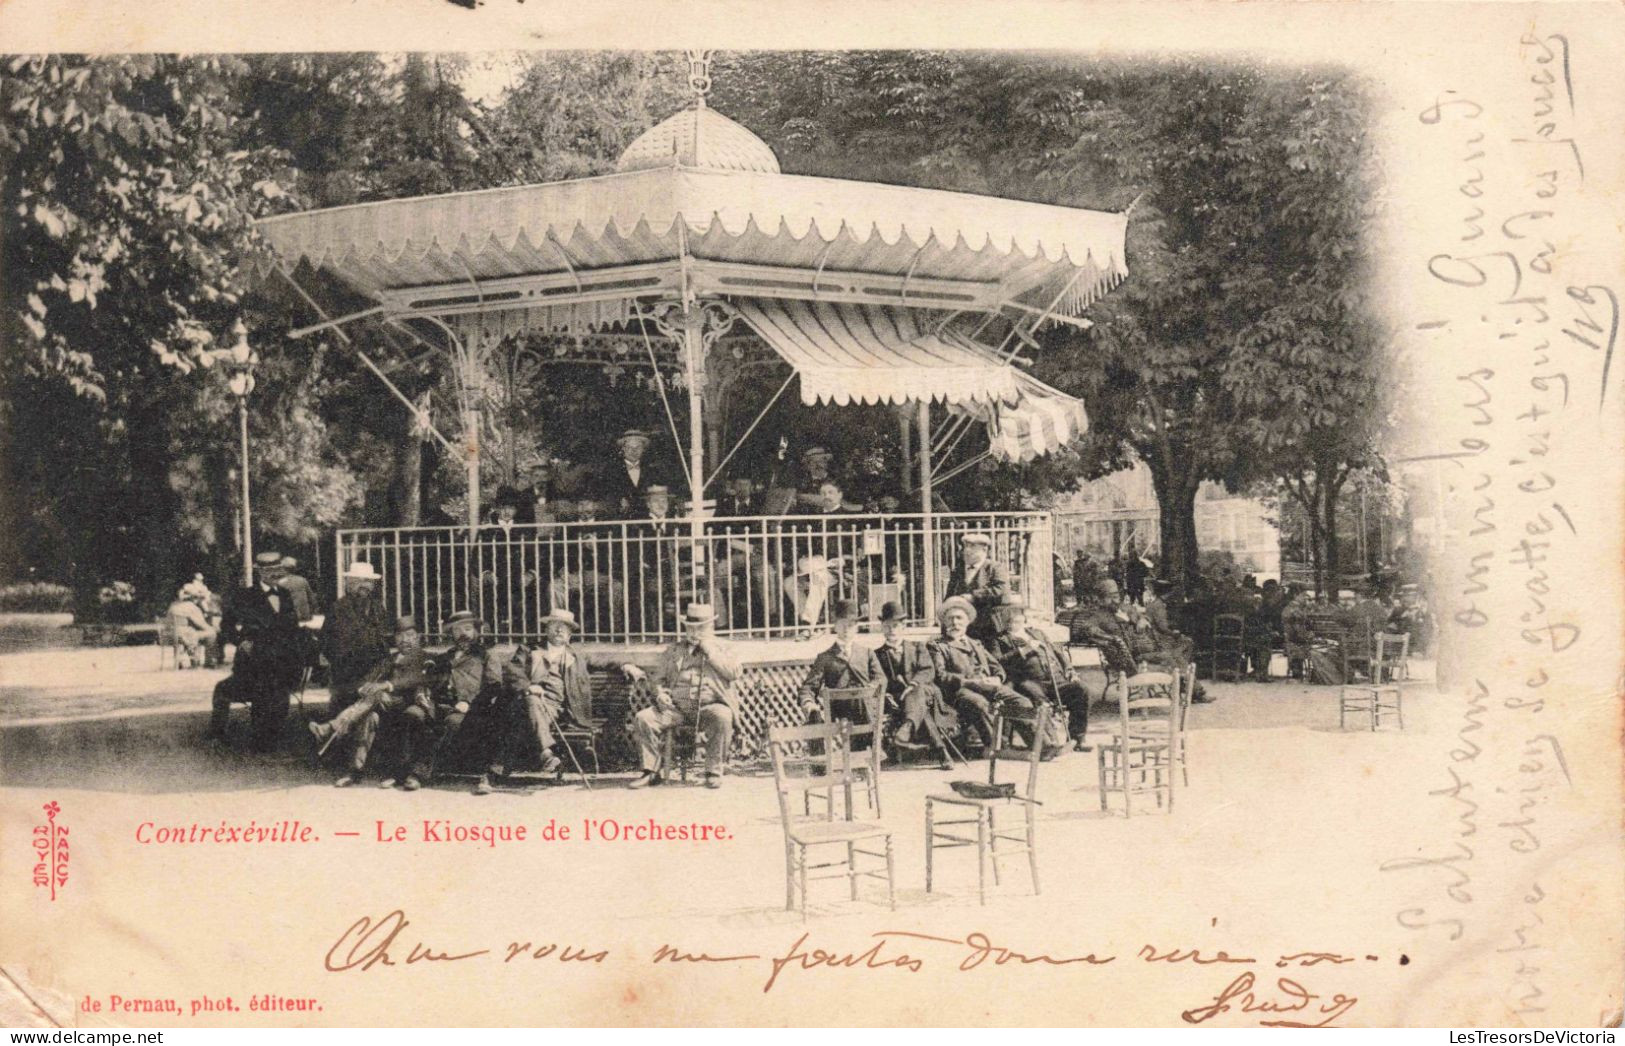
(699, 76)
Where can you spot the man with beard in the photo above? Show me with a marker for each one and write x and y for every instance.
(547, 686)
(971, 680)
(1039, 671)
(695, 679)
(843, 666)
(355, 636)
(394, 685)
(980, 581)
(468, 711)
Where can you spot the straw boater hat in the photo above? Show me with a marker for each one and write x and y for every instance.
(289, 562)
(631, 434)
(361, 570)
(266, 560)
(957, 603)
(562, 616)
(816, 451)
(809, 565)
(699, 614)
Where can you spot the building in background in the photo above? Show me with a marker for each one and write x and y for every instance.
(1109, 515)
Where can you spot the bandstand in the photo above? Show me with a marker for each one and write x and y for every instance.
(699, 251)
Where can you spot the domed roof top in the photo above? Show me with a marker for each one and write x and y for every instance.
(698, 137)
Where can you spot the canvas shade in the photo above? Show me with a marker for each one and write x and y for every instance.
(1038, 420)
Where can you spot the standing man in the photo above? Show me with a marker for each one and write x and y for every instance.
(304, 601)
(695, 678)
(1135, 572)
(981, 581)
(270, 660)
(815, 473)
(842, 666)
(626, 482)
(1040, 672)
(355, 636)
(971, 680)
(912, 697)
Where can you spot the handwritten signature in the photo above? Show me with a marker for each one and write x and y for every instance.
(1293, 998)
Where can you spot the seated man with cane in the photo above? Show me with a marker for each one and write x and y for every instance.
(695, 679)
(970, 679)
(397, 683)
(1038, 670)
(468, 713)
(913, 700)
(549, 686)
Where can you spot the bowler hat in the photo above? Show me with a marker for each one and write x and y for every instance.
(845, 610)
(406, 623)
(890, 611)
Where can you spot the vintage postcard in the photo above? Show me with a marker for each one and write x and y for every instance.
(827, 514)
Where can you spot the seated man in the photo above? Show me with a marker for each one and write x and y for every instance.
(270, 659)
(394, 685)
(971, 680)
(1038, 671)
(548, 686)
(695, 678)
(193, 632)
(843, 666)
(199, 588)
(919, 715)
(467, 709)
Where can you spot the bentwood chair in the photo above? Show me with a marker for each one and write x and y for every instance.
(983, 809)
(838, 704)
(1147, 743)
(794, 770)
(1184, 692)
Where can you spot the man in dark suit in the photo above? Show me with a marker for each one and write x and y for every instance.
(913, 700)
(1038, 671)
(355, 636)
(843, 666)
(980, 580)
(467, 714)
(626, 482)
(510, 577)
(270, 660)
(304, 601)
(970, 679)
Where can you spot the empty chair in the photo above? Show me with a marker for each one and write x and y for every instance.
(1228, 654)
(1377, 700)
(1393, 657)
(838, 704)
(828, 772)
(1147, 743)
(984, 803)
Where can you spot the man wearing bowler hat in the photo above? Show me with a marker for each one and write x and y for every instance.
(920, 717)
(356, 635)
(980, 580)
(971, 680)
(260, 619)
(694, 678)
(395, 684)
(843, 666)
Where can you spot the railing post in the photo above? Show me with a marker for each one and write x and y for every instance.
(928, 528)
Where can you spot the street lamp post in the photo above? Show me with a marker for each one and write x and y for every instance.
(239, 362)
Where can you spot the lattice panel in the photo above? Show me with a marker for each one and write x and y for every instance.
(767, 698)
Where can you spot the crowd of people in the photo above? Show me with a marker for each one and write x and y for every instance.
(487, 710)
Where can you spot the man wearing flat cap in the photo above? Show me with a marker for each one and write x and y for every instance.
(815, 472)
(270, 661)
(844, 665)
(971, 681)
(977, 578)
(694, 680)
(356, 635)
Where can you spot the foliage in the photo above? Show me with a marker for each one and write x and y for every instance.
(35, 597)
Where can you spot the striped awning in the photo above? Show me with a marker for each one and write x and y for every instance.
(1038, 420)
(878, 354)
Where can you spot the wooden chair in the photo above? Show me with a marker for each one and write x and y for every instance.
(827, 772)
(1374, 699)
(866, 764)
(1392, 662)
(1228, 653)
(169, 641)
(1185, 692)
(585, 737)
(1359, 649)
(985, 810)
(1142, 755)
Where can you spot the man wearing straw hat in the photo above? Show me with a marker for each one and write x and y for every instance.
(970, 679)
(694, 678)
(261, 621)
(356, 635)
(980, 580)
(547, 685)
(1038, 670)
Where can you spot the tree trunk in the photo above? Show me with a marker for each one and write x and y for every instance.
(1334, 572)
(1176, 523)
(154, 560)
(409, 483)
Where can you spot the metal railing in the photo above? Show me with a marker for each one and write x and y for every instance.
(629, 580)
